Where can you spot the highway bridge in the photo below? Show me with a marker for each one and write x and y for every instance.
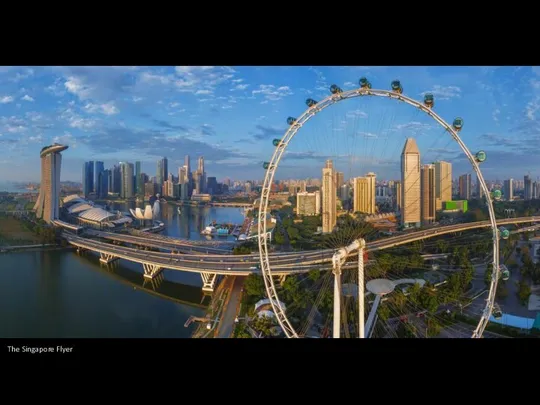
(283, 264)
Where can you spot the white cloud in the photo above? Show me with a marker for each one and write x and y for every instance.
(106, 108)
(174, 105)
(76, 121)
(203, 92)
(196, 79)
(444, 92)
(27, 98)
(414, 126)
(357, 113)
(6, 99)
(66, 139)
(137, 99)
(240, 87)
(532, 107)
(76, 86)
(273, 93)
(495, 115)
(368, 134)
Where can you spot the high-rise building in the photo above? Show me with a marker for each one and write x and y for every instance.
(117, 179)
(212, 186)
(303, 186)
(364, 194)
(88, 178)
(139, 190)
(410, 184)
(47, 203)
(535, 190)
(345, 192)
(98, 168)
(397, 196)
(443, 183)
(465, 186)
(340, 179)
(127, 170)
(150, 189)
(479, 189)
(162, 172)
(508, 189)
(527, 185)
(202, 175)
(103, 180)
(427, 190)
(308, 203)
(329, 207)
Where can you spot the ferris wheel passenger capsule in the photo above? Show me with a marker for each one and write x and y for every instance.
(497, 194)
(310, 102)
(291, 120)
(334, 89)
(429, 100)
(505, 274)
(396, 87)
(458, 124)
(480, 156)
(266, 165)
(504, 233)
(276, 142)
(497, 313)
(364, 83)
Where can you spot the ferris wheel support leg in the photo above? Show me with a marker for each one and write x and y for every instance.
(337, 300)
(361, 295)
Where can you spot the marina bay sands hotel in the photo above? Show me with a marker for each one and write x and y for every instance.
(47, 204)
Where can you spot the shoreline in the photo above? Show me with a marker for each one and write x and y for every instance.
(9, 249)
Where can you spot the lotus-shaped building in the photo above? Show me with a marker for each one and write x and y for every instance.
(149, 212)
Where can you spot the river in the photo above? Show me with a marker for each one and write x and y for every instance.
(61, 294)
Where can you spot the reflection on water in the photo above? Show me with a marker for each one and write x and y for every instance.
(60, 293)
(192, 220)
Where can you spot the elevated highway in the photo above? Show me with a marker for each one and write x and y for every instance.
(283, 264)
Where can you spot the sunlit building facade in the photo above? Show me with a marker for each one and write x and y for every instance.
(47, 204)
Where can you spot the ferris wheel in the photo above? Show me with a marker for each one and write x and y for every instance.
(346, 264)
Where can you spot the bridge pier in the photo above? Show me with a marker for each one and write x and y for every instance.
(209, 281)
(151, 270)
(107, 258)
(81, 250)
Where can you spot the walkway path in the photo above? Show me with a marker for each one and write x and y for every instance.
(226, 324)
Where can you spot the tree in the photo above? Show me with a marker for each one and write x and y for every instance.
(254, 286)
(293, 233)
(488, 274)
(384, 312)
(278, 238)
(264, 325)
(433, 327)
(524, 291)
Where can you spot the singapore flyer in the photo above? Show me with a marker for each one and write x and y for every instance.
(388, 245)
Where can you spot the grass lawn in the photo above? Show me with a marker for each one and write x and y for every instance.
(13, 233)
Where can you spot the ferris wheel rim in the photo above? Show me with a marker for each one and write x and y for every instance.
(273, 164)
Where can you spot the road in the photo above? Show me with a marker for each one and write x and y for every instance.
(226, 324)
(282, 263)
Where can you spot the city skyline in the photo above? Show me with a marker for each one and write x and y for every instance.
(231, 114)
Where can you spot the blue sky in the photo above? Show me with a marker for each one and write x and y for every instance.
(231, 114)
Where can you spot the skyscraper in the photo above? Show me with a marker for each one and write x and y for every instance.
(527, 183)
(127, 180)
(202, 175)
(88, 178)
(162, 172)
(138, 179)
(98, 168)
(47, 203)
(427, 189)
(410, 184)
(397, 196)
(508, 189)
(465, 186)
(535, 189)
(443, 183)
(364, 194)
(479, 190)
(117, 179)
(308, 203)
(339, 179)
(329, 207)
(103, 180)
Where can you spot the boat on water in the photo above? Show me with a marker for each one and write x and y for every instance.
(179, 210)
